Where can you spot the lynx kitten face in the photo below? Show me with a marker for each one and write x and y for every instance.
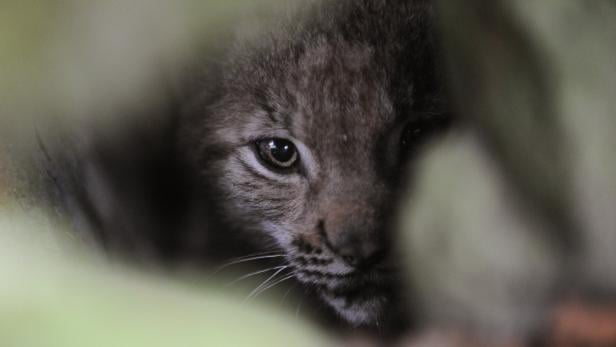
(304, 136)
(298, 138)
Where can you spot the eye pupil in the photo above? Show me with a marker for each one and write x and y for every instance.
(281, 150)
(278, 153)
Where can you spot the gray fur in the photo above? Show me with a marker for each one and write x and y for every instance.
(340, 80)
(339, 85)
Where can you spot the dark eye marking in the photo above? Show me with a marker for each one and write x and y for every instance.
(277, 153)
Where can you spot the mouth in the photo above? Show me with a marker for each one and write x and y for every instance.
(359, 298)
(361, 286)
(358, 304)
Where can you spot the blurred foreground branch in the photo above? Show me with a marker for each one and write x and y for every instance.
(519, 210)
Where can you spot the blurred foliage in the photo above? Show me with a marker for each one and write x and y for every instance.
(62, 59)
(472, 249)
(53, 295)
(519, 207)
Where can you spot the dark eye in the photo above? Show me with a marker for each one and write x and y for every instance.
(417, 132)
(279, 153)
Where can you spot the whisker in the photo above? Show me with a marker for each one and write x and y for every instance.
(247, 259)
(274, 284)
(264, 283)
(254, 274)
(256, 254)
(299, 307)
(284, 297)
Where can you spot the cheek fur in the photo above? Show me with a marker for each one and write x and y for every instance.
(261, 198)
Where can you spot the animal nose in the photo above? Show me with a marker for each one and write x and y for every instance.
(363, 260)
(359, 252)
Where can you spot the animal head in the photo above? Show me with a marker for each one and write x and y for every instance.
(305, 136)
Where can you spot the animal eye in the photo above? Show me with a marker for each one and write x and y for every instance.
(417, 132)
(279, 153)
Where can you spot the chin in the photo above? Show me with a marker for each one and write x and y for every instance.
(360, 312)
(360, 303)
